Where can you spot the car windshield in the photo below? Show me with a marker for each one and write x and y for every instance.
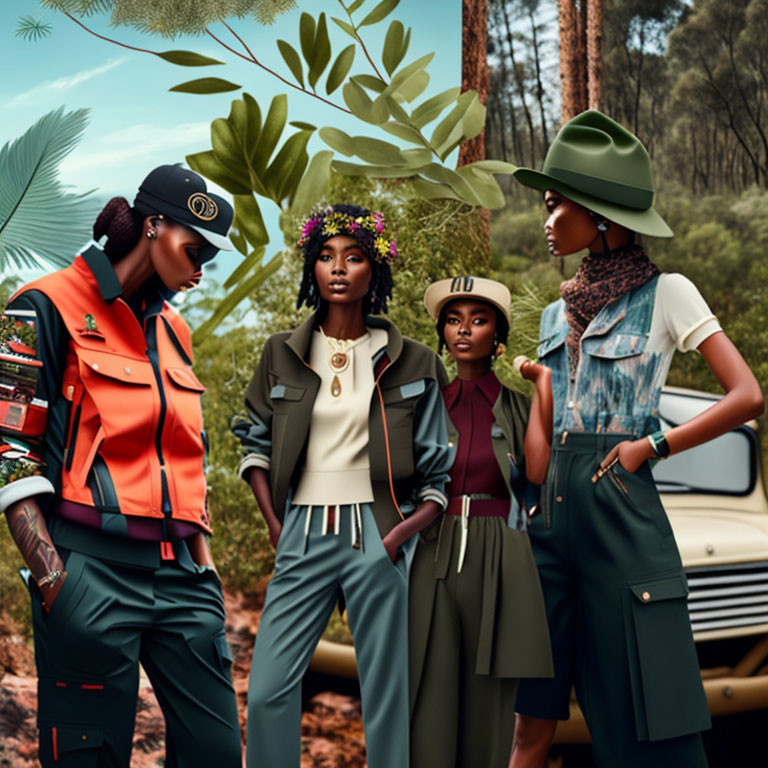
(723, 465)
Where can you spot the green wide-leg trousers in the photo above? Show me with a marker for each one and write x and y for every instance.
(310, 571)
(615, 593)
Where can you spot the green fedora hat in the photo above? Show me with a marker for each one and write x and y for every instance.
(599, 164)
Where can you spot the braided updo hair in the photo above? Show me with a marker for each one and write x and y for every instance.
(122, 225)
(380, 289)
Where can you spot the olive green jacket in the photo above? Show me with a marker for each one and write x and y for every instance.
(409, 450)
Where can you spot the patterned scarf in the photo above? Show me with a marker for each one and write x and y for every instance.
(598, 280)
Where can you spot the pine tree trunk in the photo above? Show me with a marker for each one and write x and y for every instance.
(474, 68)
(569, 76)
(475, 75)
(594, 52)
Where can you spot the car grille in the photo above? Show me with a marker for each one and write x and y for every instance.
(728, 596)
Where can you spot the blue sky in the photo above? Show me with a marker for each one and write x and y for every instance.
(137, 124)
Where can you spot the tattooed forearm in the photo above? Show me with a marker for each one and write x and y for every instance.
(31, 535)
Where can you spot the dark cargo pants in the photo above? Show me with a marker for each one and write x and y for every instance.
(112, 614)
(616, 604)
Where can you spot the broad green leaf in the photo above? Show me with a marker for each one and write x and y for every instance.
(242, 291)
(374, 171)
(449, 129)
(406, 43)
(340, 69)
(322, 48)
(188, 58)
(370, 82)
(381, 11)
(239, 241)
(238, 121)
(397, 112)
(416, 157)
(248, 220)
(454, 180)
(314, 183)
(391, 54)
(274, 123)
(493, 166)
(425, 113)
(484, 186)
(405, 132)
(413, 87)
(338, 140)
(292, 179)
(251, 260)
(205, 85)
(358, 101)
(474, 119)
(354, 6)
(431, 190)
(346, 26)
(380, 109)
(377, 152)
(281, 166)
(226, 147)
(206, 164)
(407, 72)
(291, 57)
(254, 124)
(302, 125)
(307, 37)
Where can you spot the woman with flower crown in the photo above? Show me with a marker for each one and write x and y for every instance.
(346, 450)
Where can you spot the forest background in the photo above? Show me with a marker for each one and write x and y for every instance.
(690, 78)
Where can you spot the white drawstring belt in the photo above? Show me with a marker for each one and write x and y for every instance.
(465, 502)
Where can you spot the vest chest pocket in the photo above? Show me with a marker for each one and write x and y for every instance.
(183, 398)
(119, 401)
(615, 346)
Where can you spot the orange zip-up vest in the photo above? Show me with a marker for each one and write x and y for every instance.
(140, 422)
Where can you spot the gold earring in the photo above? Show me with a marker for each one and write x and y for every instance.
(500, 350)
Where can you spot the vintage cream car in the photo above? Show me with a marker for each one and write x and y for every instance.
(716, 501)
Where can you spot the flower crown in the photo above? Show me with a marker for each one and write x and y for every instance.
(328, 222)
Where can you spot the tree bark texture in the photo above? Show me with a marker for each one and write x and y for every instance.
(474, 68)
(580, 24)
(594, 52)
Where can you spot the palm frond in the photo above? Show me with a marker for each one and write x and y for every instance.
(38, 219)
(32, 29)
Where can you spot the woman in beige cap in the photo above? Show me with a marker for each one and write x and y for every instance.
(477, 620)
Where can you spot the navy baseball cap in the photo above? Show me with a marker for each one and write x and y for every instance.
(182, 195)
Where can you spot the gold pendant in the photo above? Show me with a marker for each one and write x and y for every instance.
(339, 361)
(335, 386)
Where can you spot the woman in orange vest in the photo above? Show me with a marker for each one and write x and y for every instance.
(102, 483)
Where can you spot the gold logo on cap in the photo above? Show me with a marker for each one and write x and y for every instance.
(203, 206)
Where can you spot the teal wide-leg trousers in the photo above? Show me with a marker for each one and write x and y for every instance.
(312, 567)
(115, 610)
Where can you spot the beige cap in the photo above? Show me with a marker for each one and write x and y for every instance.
(480, 288)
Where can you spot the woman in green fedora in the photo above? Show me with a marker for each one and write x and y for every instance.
(477, 618)
(612, 577)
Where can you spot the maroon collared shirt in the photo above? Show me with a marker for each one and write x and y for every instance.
(469, 404)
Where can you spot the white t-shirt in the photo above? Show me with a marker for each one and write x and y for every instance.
(681, 318)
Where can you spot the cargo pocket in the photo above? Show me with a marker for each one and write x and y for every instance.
(68, 746)
(667, 692)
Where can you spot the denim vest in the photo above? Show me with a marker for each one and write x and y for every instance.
(618, 383)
